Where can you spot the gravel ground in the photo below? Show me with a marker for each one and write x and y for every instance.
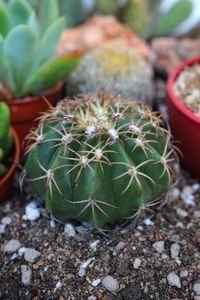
(158, 259)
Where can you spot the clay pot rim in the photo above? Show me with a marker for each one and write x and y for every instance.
(16, 157)
(29, 99)
(176, 101)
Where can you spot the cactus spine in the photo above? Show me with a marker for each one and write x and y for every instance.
(100, 158)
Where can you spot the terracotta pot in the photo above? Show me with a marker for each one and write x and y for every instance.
(24, 111)
(185, 125)
(6, 183)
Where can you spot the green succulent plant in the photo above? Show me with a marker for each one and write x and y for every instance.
(27, 47)
(135, 14)
(6, 139)
(105, 7)
(168, 22)
(99, 158)
(123, 70)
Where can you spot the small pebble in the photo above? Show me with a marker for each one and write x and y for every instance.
(196, 288)
(52, 224)
(94, 244)
(86, 263)
(22, 250)
(26, 275)
(32, 213)
(81, 272)
(174, 280)
(197, 214)
(92, 298)
(6, 220)
(58, 284)
(69, 230)
(110, 283)
(119, 246)
(96, 282)
(13, 256)
(183, 273)
(196, 297)
(174, 249)
(148, 222)
(181, 212)
(12, 246)
(31, 255)
(159, 246)
(195, 187)
(137, 263)
(2, 228)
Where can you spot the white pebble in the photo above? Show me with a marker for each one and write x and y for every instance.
(2, 228)
(6, 220)
(148, 222)
(195, 187)
(69, 230)
(96, 282)
(58, 284)
(94, 244)
(184, 273)
(11, 246)
(196, 288)
(22, 250)
(52, 224)
(110, 283)
(81, 272)
(31, 255)
(92, 298)
(119, 246)
(159, 246)
(32, 213)
(181, 213)
(26, 275)
(174, 249)
(175, 193)
(13, 256)
(136, 264)
(86, 263)
(174, 280)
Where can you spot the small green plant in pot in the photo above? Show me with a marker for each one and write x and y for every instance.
(99, 158)
(27, 48)
(8, 158)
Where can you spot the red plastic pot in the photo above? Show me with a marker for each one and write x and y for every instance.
(185, 125)
(24, 111)
(6, 183)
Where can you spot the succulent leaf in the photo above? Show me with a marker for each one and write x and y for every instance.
(19, 12)
(49, 42)
(48, 8)
(4, 20)
(50, 73)
(6, 75)
(22, 55)
(1, 43)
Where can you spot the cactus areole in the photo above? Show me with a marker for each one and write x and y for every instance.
(99, 158)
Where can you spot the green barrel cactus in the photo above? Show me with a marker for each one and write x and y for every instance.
(122, 70)
(99, 158)
(135, 13)
(6, 139)
(106, 7)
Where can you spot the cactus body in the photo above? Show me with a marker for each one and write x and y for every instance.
(135, 15)
(107, 7)
(5, 135)
(99, 158)
(123, 70)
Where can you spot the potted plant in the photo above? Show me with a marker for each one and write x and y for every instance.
(183, 91)
(9, 152)
(100, 159)
(29, 70)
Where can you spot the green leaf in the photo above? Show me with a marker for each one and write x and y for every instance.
(6, 73)
(51, 73)
(179, 12)
(1, 43)
(20, 49)
(33, 23)
(49, 42)
(19, 12)
(48, 13)
(4, 19)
